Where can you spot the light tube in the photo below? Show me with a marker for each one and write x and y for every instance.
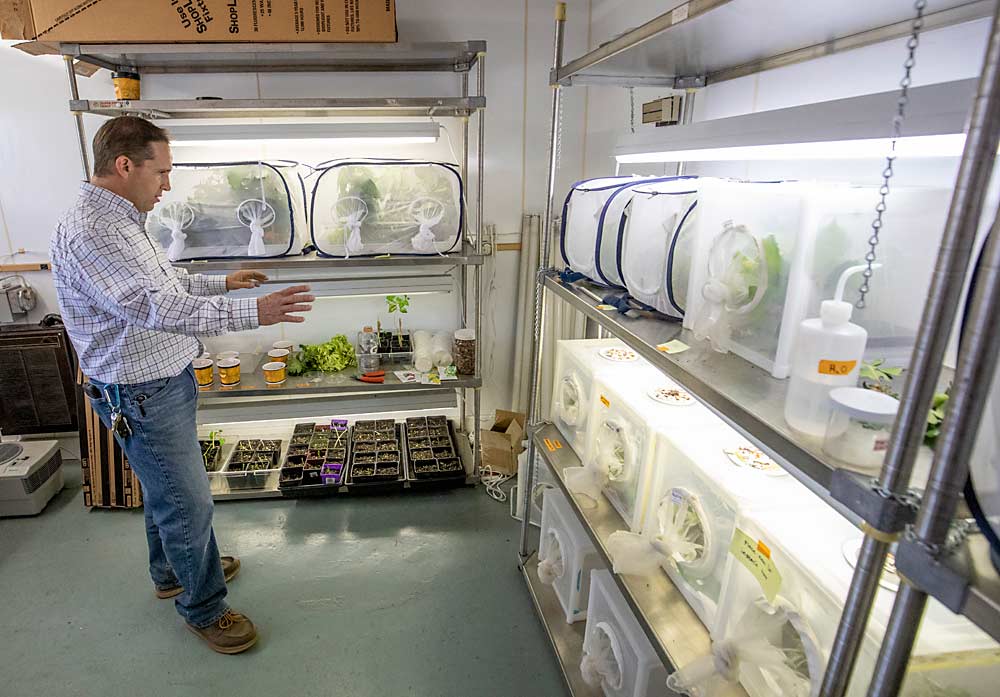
(306, 134)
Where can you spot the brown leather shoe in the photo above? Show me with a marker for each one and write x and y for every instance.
(231, 633)
(230, 567)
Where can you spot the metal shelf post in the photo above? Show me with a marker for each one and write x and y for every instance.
(544, 242)
(925, 368)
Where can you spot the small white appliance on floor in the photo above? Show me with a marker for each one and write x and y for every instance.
(30, 475)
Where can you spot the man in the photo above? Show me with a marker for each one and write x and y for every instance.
(132, 318)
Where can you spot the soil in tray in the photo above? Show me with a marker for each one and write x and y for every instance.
(319, 428)
(365, 447)
(247, 446)
(365, 437)
(415, 420)
(367, 473)
(300, 440)
(421, 454)
(440, 453)
(440, 442)
(290, 476)
(336, 455)
(385, 425)
(439, 421)
(364, 459)
(389, 456)
(365, 426)
(304, 428)
(450, 465)
(310, 477)
(388, 342)
(416, 432)
(437, 432)
(388, 444)
(294, 460)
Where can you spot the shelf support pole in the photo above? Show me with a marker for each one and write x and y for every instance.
(477, 272)
(80, 132)
(924, 372)
(544, 245)
(464, 273)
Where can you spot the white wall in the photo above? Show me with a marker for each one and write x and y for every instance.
(41, 167)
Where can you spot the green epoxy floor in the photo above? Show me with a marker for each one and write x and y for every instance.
(413, 594)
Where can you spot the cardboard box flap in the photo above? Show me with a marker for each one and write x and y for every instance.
(15, 20)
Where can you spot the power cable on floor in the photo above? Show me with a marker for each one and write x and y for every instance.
(493, 483)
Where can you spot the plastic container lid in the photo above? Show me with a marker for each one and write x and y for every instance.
(865, 405)
(229, 362)
(465, 334)
(199, 363)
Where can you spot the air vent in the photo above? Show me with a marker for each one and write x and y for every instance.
(35, 480)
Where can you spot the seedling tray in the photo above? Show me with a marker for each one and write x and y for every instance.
(327, 446)
(253, 465)
(377, 463)
(432, 458)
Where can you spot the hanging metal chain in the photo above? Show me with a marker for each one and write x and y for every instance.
(897, 128)
(631, 109)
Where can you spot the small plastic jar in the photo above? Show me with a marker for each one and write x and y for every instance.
(203, 371)
(126, 85)
(858, 431)
(274, 373)
(229, 372)
(278, 356)
(287, 345)
(465, 351)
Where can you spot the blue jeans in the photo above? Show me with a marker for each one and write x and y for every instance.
(163, 451)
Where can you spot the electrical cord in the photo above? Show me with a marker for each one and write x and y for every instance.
(493, 483)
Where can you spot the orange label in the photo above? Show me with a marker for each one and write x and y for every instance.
(836, 367)
(605, 402)
(763, 549)
(557, 444)
(549, 445)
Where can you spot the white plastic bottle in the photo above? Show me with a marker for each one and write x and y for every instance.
(827, 354)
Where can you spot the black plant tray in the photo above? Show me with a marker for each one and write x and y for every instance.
(311, 483)
(434, 470)
(375, 482)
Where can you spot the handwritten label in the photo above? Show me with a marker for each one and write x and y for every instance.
(755, 556)
(674, 346)
(836, 367)
(605, 402)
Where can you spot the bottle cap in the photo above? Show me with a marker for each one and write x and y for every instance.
(367, 330)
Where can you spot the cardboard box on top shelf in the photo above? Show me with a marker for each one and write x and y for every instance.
(169, 21)
(502, 442)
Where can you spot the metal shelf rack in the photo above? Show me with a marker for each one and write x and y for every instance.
(672, 627)
(706, 41)
(457, 57)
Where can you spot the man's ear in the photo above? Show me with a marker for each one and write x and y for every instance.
(123, 165)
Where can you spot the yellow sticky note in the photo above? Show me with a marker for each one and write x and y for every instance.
(605, 402)
(675, 346)
(755, 556)
(606, 308)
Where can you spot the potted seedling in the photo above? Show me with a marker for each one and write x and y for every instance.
(211, 450)
(398, 341)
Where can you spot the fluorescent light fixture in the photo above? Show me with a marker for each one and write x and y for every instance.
(311, 133)
(948, 145)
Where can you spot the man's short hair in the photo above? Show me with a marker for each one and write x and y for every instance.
(130, 136)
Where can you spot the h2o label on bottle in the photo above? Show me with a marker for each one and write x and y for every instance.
(828, 367)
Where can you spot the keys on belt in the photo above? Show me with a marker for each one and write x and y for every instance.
(111, 395)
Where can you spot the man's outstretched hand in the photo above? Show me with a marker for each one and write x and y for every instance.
(277, 307)
(244, 279)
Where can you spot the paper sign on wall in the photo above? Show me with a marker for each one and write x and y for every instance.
(756, 557)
